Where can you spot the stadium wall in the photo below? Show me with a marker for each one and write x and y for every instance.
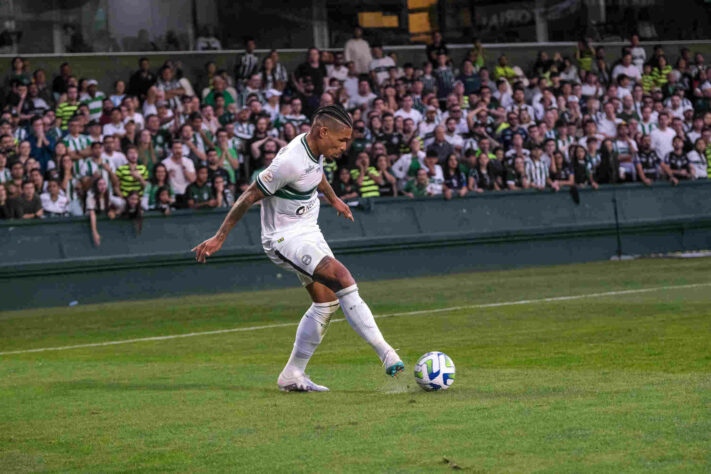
(53, 262)
(108, 67)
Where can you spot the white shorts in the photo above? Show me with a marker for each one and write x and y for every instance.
(300, 254)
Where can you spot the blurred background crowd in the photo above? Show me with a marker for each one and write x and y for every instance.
(159, 139)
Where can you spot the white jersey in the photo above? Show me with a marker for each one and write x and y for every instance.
(290, 185)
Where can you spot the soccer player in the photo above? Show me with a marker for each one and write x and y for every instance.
(291, 238)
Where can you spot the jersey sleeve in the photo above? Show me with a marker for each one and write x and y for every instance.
(275, 177)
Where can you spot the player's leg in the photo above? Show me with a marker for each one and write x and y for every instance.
(312, 327)
(334, 275)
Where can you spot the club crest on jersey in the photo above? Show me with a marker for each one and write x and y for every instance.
(310, 169)
(268, 176)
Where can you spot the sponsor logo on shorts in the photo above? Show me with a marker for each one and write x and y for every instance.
(306, 259)
(300, 210)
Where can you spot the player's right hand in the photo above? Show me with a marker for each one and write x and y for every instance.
(207, 248)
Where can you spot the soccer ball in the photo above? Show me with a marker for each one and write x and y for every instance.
(434, 371)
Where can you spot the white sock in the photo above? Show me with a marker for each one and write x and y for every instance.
(309, 334)
(361, 319)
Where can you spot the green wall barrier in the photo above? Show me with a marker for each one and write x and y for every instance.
(53, 262)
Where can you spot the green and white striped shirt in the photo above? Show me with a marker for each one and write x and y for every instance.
(94, 104)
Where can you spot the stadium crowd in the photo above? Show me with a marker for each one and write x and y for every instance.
(159, 141)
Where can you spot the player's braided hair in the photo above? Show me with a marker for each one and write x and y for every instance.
(335, 112)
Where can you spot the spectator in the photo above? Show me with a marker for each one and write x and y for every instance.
(8, 208)
(516, 177)
(53, 203)
(68, 108)
(470, 79)
(419, 186)
(164, 201)
(562, 173)
(444, 79)
(503, 70)
(662, 136)
(114, 157)
(248, 63)
(357, 50)
(158, 182)
(406, 111)
(141, 80)
(649, 166)
(436, 48)
(697, 160)
(61, 82)
(344, 186)
(626, 150)
(366, 177)
(626, 68)
(281, 76)
(219, 90)
(199, 193)
(171, 87)
(311, 71)
(119, 93)
(41, 146)
(440, 147)
(338, 70)
(678, 161)
(116, 126)
(583, 174)
(536, 170)
(93, 98)
(435, 174)
(133, 175)
(455, 182)
(389, 182)
(181, 172)
(223, 196)
(214, 168)
(29, 203)
(380, 65)
(4, 170)
(97, 165)
(78, 145)
(639, 55)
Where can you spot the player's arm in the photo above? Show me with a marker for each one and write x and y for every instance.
(214, 243)
(330, 195)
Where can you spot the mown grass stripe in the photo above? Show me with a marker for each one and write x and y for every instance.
(390, 315)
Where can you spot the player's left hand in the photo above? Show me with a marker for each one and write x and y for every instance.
(342, 208)
(207, 248)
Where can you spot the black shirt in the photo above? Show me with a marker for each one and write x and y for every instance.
(677, 162)
(649, 161)
(315, 73)
(140, 82)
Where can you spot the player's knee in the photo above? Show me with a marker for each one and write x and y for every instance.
(333, 274)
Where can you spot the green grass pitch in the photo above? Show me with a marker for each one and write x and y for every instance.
(606, 383)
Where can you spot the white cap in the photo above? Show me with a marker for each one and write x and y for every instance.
(272, 93)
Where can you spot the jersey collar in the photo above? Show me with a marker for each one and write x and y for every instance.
(308, 150)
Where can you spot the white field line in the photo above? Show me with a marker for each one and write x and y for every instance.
(391, 315)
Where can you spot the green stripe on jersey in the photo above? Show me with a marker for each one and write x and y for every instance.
(300, 193)
(261, 187)
(284, 194)
(308, 150)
